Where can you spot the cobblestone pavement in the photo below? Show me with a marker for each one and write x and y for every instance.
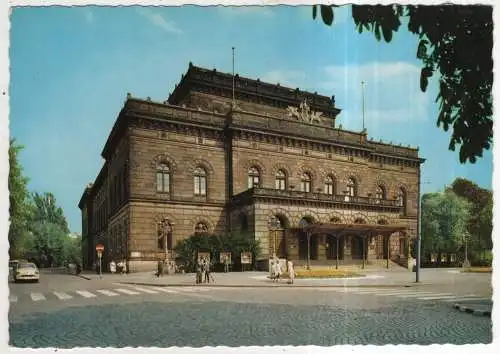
(236, 317)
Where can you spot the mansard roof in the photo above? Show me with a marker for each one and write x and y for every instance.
(213, 82)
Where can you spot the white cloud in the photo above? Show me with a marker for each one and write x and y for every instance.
(232, 11)
(290, 78)
(89, 16)
(392, 92)
(158, 20)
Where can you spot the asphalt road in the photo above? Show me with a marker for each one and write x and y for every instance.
(68, 311)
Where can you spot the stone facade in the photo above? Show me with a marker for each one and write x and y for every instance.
(198, 161)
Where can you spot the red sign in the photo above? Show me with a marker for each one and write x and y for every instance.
(99, 248)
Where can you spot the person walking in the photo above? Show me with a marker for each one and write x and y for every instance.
(112, 267)
(206, 270)
(198, 272)
(291, 271)
(159, 271)
(277, 271)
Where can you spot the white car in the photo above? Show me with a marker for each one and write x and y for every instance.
(26, 271)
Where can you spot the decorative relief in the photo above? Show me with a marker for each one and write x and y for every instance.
(256, 163)
(304, 113)
(165, 159)
(202, 163)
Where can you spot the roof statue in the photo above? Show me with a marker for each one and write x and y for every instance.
(304, 113)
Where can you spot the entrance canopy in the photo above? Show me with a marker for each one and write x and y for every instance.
(338, 229)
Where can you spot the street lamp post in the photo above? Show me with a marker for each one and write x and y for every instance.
(303, 224)
(273, 225)
(419, 228)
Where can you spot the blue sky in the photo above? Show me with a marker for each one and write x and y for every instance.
(72, 67)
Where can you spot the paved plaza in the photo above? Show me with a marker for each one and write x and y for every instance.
(67, 311)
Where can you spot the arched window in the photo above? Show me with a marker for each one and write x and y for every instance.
(281, 180)
(380, 194)
(401, 198)
(253, 177)
(305, 182)
(329, 185)
(163, 178)
(201, 228)
(351, 187)
(359, 221)
(335, 220)
(200, 181)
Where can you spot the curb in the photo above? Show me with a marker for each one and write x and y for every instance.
(82, 276)
(215, 285)
(467, 309)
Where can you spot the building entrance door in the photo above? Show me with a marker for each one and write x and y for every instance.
(332, 250)
(313, 246)
(356, 247)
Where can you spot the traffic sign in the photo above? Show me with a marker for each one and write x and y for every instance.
(99, 248)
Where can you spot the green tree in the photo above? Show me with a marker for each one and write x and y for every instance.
(481, 215)
(456, 43)
(236, 243)
(45, 210)
(18, 207)
(444, 222)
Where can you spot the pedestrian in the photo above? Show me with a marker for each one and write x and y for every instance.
(124, 267)
(206, 269)
(291, 271)
(112, 267)
(159, 272)
(198, 272)
(277, 271)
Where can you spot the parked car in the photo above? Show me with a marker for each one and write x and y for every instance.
(26, 271)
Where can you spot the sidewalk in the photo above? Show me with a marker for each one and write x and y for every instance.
(258, 279)
(479, 308)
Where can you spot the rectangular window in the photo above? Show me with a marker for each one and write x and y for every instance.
(159, 182)
(166, 183)
(250, 182)
(196, 185)
(278, 184)
(203, 186)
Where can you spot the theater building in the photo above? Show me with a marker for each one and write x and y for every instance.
(271, 162)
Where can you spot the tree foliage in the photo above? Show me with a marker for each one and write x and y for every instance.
(38, 228)
(455, 43)
(445, 217)
(45, 210)
(18, 198)
(480, 224)
(236, 243)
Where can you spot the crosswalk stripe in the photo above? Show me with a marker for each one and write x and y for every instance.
(166, 290)
(415, 294)
(12, 298)
(37, 296)
(62, 296)
(466, 298)
(186, 290)
(392, 293)
(145, 290)
(126, 291)
(438, 297)
(107, 292)
(85, 293)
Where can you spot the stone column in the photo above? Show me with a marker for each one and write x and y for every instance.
(292, 244)
(347, 248)
(321, 247)
(372, 251)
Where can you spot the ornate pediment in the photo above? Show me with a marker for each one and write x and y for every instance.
(304, 113)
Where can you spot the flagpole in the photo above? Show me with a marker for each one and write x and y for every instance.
(233, 78)
(363, 102)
